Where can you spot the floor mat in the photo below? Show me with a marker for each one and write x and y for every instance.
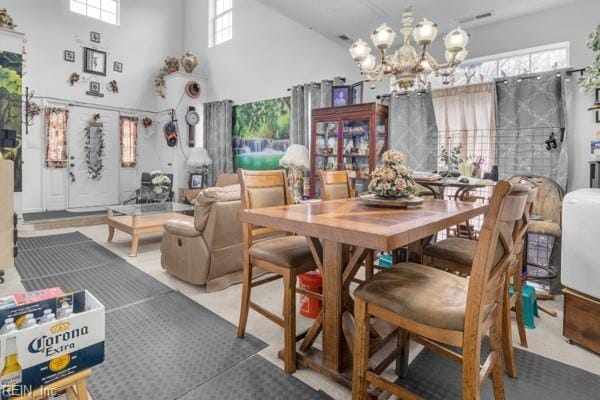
(115, 284)
(29, 243)
(58, 259)
(164, 347)
(59, 214)
(252, 379)
(434, 377)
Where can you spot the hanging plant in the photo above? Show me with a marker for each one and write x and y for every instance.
(6, 20)
(32, 109)
(591, 80)
(171, 65)
(94, 152)
(147, 122)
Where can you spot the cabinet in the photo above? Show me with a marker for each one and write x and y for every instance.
(349, 138)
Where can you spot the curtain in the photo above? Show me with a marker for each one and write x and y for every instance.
(529, 113)
(56, 137)
(304, 98)
(128, 133)
(413, 129)
(218, 118)
(465, 116)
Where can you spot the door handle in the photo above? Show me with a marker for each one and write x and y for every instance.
(72, 157)
(72, 165)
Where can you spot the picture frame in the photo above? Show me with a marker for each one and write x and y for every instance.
(95, 87)
(95, 37)
(340, 96)
(598, 101)
(94, 61)
(196, 180)
(69, 56)
(357, 93)
(117, 66)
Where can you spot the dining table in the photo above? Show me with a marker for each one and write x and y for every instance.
(438, 187)
(331, 229)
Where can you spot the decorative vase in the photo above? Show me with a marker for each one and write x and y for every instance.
(189, 62)
(392, 180)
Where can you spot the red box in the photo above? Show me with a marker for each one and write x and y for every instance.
(37, 295)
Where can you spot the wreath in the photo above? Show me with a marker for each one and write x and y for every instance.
(96, 166)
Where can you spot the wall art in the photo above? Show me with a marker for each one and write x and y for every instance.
(94, 61)
(95, 37)
(117, 66)
(11, 65)
(69, 56)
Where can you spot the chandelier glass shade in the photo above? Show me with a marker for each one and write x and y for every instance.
(407, 67)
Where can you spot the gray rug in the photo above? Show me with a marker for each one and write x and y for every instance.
(254, 378)
(51, 240)
(59, 214)
(434, 377)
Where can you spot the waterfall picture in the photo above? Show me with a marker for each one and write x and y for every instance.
(10, 111)
(261, 133)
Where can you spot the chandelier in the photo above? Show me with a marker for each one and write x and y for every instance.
(407, 68)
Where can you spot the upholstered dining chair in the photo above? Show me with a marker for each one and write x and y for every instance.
(442, 310)
(284, 256)
(457, 254)
(335, 185)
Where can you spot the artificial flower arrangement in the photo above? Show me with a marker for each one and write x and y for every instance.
(160, 181)
(392, 179)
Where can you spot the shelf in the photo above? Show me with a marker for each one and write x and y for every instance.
(356, 155)
(325, 155)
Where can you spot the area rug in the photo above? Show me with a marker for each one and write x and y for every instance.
(435, 377)
(160, 345)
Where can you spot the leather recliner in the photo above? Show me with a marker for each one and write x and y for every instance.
(208, 250)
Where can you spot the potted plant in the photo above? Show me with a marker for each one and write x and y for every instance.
(591, 79)
(452, 159)
(393, 179)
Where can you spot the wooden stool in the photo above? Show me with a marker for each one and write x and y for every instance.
(75, 385)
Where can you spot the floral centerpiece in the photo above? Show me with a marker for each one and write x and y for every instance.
(160, 181)
(392, 179)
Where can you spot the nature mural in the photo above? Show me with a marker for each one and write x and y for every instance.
(10, 108)
(261, 133)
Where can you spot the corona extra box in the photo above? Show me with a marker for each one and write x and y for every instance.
(41, 354)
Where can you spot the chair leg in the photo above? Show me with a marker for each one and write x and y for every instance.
(518, 283)
(369, 269)
(507, 346)
(470, 369)
(402, 360)
(361, 350)
(497, 374)
(245, 306)
(289, 320)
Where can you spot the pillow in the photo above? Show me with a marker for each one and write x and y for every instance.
(214, 194)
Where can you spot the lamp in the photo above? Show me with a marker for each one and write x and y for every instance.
(296, 160)
(198, 162)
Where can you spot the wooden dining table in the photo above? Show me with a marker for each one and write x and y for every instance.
(330, 228)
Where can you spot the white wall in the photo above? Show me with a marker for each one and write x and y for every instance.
(269, 53)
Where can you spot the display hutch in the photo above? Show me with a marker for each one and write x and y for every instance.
(349, 138)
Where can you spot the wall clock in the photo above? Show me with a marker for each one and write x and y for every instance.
(192, 118)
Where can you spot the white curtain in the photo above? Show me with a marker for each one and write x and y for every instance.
(466, 115)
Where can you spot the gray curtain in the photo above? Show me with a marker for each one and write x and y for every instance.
(530, 112)
(218, 120)
(304, 98)
(413, 129)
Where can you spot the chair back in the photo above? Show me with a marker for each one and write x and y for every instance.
(548, 201)
(501, 230)
(335, 185)
(262, 189)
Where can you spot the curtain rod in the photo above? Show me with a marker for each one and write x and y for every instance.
(84, 104)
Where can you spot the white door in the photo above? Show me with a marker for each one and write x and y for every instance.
(85, 191)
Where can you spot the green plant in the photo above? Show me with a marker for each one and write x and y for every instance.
(591, 79)
(452, 159)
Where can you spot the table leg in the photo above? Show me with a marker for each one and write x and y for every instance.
(111, 233)
(333, 306)
(134, 245)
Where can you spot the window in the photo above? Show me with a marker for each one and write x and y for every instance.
(128, 141)
(531, 60)
(103, 10)
(221, 23)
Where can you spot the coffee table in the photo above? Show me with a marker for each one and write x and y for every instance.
(142, 219)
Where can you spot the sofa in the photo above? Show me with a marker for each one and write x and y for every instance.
(208, 250)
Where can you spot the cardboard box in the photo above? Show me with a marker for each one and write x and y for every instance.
(51, 351)
(37, 295)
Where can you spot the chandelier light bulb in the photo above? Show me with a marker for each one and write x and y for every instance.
(456, 39)
(383, 37)
(368, 64)
(425, 32)
(360, 50)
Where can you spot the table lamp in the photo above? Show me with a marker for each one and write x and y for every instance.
(296, 160)
(198, 162)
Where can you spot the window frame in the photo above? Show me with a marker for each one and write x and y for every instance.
(101, 10)
(212, 26)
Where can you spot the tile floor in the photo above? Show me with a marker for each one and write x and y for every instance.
(545, 340)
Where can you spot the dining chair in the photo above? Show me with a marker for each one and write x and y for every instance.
(442, 310)
(457, 254)
(335, 185)
(285, 256)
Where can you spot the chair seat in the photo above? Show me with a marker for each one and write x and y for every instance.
(182, 227)
(423, 294)
(286, 251)
(545, 227)
(458, 250)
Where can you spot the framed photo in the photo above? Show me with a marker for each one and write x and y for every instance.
(95, 37)
(117, 66)
(340, 96)
(196, 181)
(69, 56)
(357, 93)
(597, 101)
(94, 61)
(94, 86)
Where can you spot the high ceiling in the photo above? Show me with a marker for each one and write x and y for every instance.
(358, 18)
